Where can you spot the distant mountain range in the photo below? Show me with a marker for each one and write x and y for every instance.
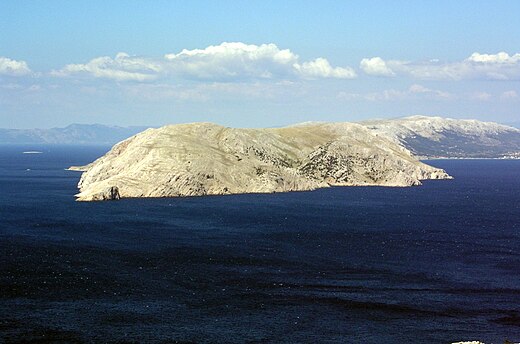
(513, 124)
(80, 134)
(437, 137)
(426, 137)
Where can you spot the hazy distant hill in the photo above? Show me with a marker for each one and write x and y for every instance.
(453, 138)
(92, 134)
(513, 124)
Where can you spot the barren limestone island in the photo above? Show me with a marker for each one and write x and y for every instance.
(208, 159)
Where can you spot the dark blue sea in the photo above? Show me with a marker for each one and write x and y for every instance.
(432, 264)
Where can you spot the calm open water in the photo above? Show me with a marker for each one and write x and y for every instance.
(431, 264)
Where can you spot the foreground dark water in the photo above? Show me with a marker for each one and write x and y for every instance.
(431, 264)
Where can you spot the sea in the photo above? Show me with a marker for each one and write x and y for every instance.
(436, 263)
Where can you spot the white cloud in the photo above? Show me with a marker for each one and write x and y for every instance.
(161, 91)
(501, 57)
(413, 92)
(321, 68)
(224, 62)
(201, 92)
(122, 67)
(375, 66)
(482, 96)
(15, 87)
(500, 66)
(419, 89)
(13, 67)
(386, 95)
(432, 70)
(237, 60)
(507, 95)
(232, 61)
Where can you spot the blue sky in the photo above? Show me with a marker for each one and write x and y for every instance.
(256, 63)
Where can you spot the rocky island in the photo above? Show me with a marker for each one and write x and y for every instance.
(208, 159)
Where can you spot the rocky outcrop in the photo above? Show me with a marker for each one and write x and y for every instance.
(108, 194)
(207, 159)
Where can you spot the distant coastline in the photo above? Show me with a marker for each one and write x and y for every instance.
(468, 158)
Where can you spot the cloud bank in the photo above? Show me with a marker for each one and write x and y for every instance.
(239, 62)
(500, 66)
(224, 62)
(415, 91)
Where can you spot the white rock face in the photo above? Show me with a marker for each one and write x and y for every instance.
(207, 159)
(446, 137)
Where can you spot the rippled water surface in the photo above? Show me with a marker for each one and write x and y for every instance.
(430, 264)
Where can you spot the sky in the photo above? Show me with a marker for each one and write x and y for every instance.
(256, 63)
